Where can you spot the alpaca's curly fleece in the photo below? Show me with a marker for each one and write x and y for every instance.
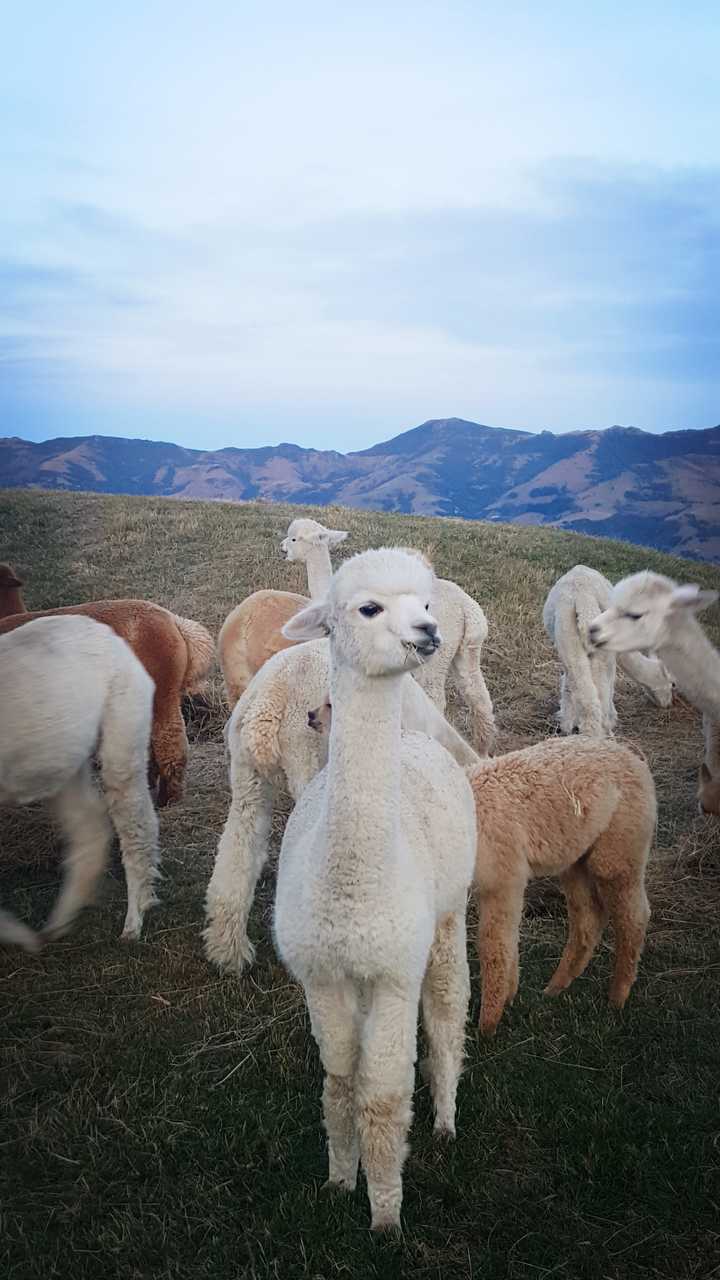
(580, 809)
(68, 684)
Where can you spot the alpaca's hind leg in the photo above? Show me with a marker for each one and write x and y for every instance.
(471, 682)
(169, 746)
(12, 930)
(629, 911)
(335, 1016)
(497, 943)
(445, 997)
(82, 815)
(240, 858)
(586, 921)
(123, 763)
(383, 1093)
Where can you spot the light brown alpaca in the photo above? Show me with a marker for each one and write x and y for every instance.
(11, 600)
(176, 652)
(582, 810)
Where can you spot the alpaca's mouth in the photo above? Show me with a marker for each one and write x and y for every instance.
(424, 650)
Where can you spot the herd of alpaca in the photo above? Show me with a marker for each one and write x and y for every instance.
(383, 845)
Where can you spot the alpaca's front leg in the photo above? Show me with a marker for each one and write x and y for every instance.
(384, 1098)
(445, 997)
(334, 1015)
(241, 855)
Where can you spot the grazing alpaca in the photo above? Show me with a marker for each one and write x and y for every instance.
(583, 811)
(11, 600)
(176, 653)
(68, 682)
(373, 877)
(252, 632)
(272, 748)
(650, 611)
(587, 684)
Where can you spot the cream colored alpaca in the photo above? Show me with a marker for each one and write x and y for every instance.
(272, 748)
(372, 883)
(650, 611)
(67, 683)
(252, 632)
(584, 811)
(587, 684)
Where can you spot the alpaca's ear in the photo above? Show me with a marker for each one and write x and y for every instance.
(336, 536)
(308, 624)
(689, 596)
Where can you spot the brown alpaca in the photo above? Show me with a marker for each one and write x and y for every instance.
(252, 633)
(583, 810)
(176, 652)
(11, 600)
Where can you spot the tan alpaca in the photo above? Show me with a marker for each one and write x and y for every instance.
(582, 810)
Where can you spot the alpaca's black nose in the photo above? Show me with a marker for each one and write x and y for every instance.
(430, 629)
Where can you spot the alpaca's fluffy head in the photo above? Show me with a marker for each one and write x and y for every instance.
(304, 535)
(377, 613)
(644, 610)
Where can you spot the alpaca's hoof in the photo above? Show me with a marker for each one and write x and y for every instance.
(386, 1228)
(444, 1132)
(488, 1026)
(554, 988)
(131, 935)
(618, 998)
(341, 1186)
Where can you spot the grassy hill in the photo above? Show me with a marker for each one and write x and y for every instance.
(163, 1121)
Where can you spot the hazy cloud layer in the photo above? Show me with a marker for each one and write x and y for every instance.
(227, 228)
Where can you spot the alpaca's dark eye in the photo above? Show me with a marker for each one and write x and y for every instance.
(370, 610)
(427, 608)
(634, 617)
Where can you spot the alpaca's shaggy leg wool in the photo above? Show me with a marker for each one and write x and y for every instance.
(123, 758)
(497, 944)
(629, 912)
(82, 816)
(383, 1094)
(471, 683)
(169, 747)
(586, 921)
(335, 1017)
(445, 998)
(241, 855)
(12, 930)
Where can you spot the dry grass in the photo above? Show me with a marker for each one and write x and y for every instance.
(163, 1121)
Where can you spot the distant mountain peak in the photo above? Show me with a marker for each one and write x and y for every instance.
(658, 490)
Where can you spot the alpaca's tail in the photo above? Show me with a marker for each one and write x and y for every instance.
(200, 651)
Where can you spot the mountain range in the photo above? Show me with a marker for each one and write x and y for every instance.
(658, 490)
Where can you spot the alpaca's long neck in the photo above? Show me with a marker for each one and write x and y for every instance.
(695, 665)
(11, 602)
(363, 787)
(319, 571)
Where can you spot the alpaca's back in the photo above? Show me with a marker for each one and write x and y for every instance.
(58, 675)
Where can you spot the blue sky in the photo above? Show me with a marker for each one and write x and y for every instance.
(231, 223)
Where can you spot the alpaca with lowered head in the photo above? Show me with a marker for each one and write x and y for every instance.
(587, 684)
(649, 611)
(176, 653)
(69, 683)
(374, 871)
(252, 632)
(582, 810)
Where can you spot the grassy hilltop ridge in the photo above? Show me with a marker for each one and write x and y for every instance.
(164, 1121)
